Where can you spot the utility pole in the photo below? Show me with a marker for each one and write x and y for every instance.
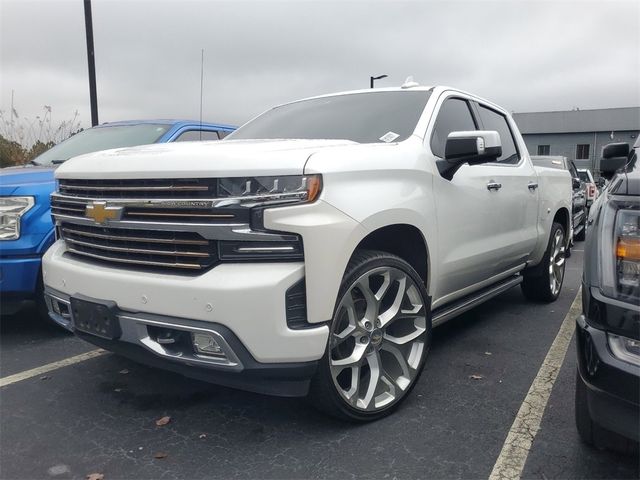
(88, 25)
(373, 79)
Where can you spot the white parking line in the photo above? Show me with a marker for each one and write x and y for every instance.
(34, 372)
(516, 447)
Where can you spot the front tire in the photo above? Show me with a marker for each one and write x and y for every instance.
(593, 434)
(584, 424)
(378, 342)
(543, 282)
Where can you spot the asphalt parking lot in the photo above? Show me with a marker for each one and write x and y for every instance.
(100, 415)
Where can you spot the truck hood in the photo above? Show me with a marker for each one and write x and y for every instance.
(231, 158)
(31, 181)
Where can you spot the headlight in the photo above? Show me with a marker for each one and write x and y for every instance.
(627, 252)
(266, 191)
(258, 194)
(11, 211)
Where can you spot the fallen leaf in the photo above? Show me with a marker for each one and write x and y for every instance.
(124, 371)
(476, 377)
(202, 435)
(161, 455)
(163, 421)
(58, 470)
(95, 476)
(488, 353)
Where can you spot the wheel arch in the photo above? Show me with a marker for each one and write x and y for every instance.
(563, 217)
(404, 240)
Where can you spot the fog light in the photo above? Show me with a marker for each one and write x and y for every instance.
(205, 344)
(56, 307)
(625, 349)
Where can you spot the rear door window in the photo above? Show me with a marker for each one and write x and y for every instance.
(492, 120)
(196, 135)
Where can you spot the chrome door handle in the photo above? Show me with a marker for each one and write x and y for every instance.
(494, 186)
(532, 186)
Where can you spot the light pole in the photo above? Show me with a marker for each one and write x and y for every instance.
(373, 79)
(93, 97)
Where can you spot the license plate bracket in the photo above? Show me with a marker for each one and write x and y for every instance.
(96, 317)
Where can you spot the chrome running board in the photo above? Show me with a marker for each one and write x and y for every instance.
(447, 312)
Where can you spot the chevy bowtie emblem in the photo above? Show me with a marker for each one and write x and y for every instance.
(100, 212)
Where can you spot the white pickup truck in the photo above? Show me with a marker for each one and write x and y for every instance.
(314, 250)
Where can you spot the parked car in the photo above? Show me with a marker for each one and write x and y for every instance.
(579, 210)
(591, 185)
(26, 229)
(607, 403)
(311, 251)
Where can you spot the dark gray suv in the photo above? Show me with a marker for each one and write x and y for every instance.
(608, 331)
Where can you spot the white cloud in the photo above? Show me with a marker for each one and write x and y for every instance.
(525, 56)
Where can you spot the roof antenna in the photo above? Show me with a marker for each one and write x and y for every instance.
(410, 83)
(201, 84)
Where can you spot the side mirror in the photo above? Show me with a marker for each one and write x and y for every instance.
(614, 157)
(472, 147)
(613, 150)
(576, 183)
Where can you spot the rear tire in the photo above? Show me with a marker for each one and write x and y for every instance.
(378, 342)
(543, 282)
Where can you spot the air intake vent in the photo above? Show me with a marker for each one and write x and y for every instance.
(296, 306)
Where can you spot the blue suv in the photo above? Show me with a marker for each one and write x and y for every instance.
(26, 229)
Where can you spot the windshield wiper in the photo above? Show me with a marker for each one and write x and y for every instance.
(57, 162)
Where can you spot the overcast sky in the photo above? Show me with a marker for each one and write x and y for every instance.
(525, 56)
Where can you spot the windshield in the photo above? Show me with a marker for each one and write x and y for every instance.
(102, 138)
(360, 117)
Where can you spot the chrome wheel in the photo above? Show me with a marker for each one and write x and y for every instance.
(377, 339)
(556, 262)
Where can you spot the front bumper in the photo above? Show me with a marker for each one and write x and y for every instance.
(247, 299)
(18, 281)
(613, 386)
(19, 275)
(236, 368)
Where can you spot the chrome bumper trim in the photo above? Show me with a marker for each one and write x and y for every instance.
(135, 330)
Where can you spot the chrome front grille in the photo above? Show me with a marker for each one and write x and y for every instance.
(170, 226)
(181, 251)
(153, 210)
(145, 188)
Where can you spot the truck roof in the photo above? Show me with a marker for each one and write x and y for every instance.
(420, 88)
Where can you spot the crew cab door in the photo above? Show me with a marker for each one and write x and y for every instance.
(486, 213)
(520, 189)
